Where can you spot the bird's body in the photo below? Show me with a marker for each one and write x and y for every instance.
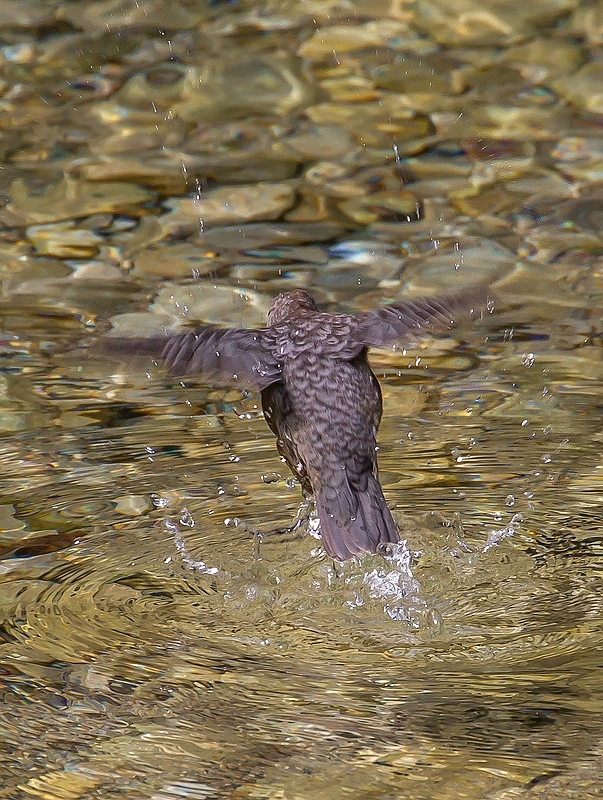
(319, 396)
(324, 412)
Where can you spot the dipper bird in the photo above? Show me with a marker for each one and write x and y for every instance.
(319, 396)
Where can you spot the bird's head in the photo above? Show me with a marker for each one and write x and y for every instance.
(290, 304)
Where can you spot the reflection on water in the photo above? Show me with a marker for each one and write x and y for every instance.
(169, 624)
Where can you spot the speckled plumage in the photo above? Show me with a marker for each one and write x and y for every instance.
(320, 399)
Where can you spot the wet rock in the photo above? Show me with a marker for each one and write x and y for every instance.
(435, 167)
(117, 15)
(228, 205)
(97, 271)
(166, 84)
(160, 173)
(121, 130)
(584, 88)
(538, 62)
(536, 285)
(310, 208)
(174, 260)
(64, 240)
(30, 274)
(280, 279)
(426, 189)
(239, 168)
(499, 149)
(16, 14)
(416, 80)
(133, 505)
(230, 139)
(497, 83)
(102, 222)
(587, 21)
(208, 302)
(140, 323)
(586, 212)
(349, 88)
(316, 142)
(69, 198)
(12, 256)
(382, 206)
(374, 124)
(580, 158)
(487, 173)
(494, 22)
(332, 179)
(287, 255)
(459, 266)
(359, 263)
(338, 39)
(572, 149)
(132, 240)
(550, 241)
(538, 187)
(235, 87)
(502, 122)
(241, 238)
(495, 199)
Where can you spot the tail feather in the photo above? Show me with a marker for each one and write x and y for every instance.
(354, 524)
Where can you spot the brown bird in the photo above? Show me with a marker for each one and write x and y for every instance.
(319, 396)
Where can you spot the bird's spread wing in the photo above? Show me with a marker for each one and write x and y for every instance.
(389, 324)
(221, 356)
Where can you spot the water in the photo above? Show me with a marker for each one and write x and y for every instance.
(166, 629)
(176, 649)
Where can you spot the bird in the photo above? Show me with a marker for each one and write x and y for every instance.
(320, 397)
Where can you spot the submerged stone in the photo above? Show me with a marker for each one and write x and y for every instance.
(584, 88)
(64, 240)
(227, 205)
(70, 198)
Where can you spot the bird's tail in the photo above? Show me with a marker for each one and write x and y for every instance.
(353, 521)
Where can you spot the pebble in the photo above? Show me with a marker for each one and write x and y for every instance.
(208, 302)
(173, 260)
(133, 505)
(584, 88)
(64, 240)
(227, 205)
(69, 198)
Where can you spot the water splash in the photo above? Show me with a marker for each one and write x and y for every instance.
(187, 520)
(495, 537)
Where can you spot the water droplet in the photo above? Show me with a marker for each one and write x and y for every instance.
(187, 519)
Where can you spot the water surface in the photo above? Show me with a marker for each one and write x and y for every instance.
(161, 636)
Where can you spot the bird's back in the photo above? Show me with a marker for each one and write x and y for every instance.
(325, 411)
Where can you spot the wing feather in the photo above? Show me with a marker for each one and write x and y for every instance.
(221, 356)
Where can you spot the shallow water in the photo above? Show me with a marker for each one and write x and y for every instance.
(162, 635)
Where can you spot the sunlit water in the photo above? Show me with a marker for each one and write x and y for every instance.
(189, 651)
(169, 624)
